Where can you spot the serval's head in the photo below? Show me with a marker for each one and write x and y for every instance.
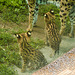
(23, 37)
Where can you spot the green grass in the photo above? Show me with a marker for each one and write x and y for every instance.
(68, 26)
(46, 8)
(7, 70)
(13, 10)
(37, 43)
(18, 31)
(8, 53)
(5, 38)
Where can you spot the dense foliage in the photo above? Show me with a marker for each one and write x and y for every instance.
(8, 53)
(14, 10)
(46, 8)
(6, 70)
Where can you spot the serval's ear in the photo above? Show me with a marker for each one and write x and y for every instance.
(17, 35)
(52, 11)
(28, 33)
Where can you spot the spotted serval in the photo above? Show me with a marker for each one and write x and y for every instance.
(53, 38)
(32, 59)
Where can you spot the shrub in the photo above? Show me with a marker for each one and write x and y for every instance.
(8, 50)
(46, 8)
(14, 10)
(7, 70)
(10, 57)
(5, 38)
(37, 43)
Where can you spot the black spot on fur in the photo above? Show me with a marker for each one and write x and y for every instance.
(37, 4)
(60, 6)
(64, 14)
(62, 20)
(72, 4)
(68, 4)
(36, 9)
(60, 15)
(65, 17)
(65, 4)
(30, 6)
(62, 10)
(32, 14)
(62, 3)
(31, 11)
(65, 8)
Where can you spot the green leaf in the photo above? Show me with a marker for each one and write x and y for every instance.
(20, 1)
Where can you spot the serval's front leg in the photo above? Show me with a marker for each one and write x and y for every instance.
(23, 66)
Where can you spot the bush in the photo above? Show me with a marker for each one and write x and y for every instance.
(7, 70)
(10, 57)
(46, 8)
(68, 26)
(14, 10)
(37, 43)
(8, 50)
(5, 61)
(5, 38)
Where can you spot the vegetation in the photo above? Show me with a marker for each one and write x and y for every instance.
(37, 43)
(6, 70)
(17, 11)
(8, 53)
(46, 8)
(14, 10)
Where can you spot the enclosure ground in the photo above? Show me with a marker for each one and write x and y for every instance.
(64, 65)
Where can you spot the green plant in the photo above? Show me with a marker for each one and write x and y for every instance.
(14, 10)
(9, 49)
(37, 43)
(5, 67)
(7, 70)
(5, 38)
(57, 21)
(46, 8)
(19, 31)
(68, 26)
(10, 57)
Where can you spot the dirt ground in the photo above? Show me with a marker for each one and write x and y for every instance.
(38, 32)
